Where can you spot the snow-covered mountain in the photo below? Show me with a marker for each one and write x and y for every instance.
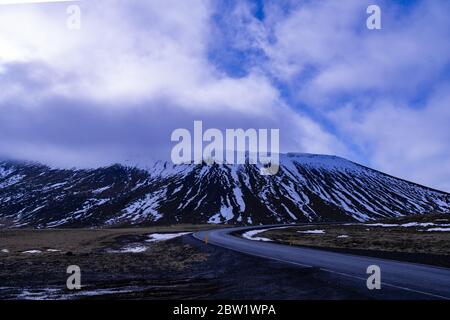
(306, 188)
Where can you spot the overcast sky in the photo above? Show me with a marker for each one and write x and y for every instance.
(136, 70)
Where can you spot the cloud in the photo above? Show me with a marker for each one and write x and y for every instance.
(384, 92)
(407, 142)
(114, 90)
(79, 133)
(150, 47)
(327, 45)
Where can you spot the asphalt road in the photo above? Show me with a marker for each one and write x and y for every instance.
(398, 279)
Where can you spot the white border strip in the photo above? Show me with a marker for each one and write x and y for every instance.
(11, 2)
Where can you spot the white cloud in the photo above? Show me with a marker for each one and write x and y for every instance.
(128, 56)
(410, 143)
(375, 87)
(138, 69)
(330, 38)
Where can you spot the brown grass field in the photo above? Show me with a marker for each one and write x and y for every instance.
(365, 237)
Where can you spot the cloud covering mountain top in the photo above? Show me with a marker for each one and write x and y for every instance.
(115, 89)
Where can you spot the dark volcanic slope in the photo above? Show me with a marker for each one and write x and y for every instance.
(307, 188)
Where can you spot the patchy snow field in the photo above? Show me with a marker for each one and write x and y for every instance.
(417, 238)
(421, 226)
(154, 237)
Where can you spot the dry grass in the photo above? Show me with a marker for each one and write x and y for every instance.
(77, 240)
(393, 239)
(91, 250)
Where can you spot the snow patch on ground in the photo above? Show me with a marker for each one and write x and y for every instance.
(101, 190)
(154, 237)
(215, 219)
(131, 248)
(142, 209)
(250, 235)
(61, 294)
(407, 225)
(30, 294)
(438, 229)
(11, 181)
(239, 198)
(226, 212)
(54, 186)
(384, 225)
(416, 224)
(32, 251)
(312, 231)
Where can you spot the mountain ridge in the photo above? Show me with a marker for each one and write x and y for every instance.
(308, 188)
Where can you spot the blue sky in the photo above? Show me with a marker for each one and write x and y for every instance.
(114, 90)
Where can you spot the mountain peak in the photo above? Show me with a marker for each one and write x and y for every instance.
(307, 188)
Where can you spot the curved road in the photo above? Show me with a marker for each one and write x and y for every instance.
(407, 279)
